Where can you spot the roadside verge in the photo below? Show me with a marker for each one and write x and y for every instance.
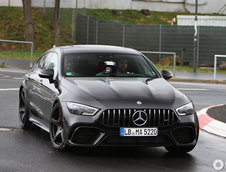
(210, 124)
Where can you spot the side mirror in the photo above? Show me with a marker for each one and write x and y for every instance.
(47, 73)
(166, 74)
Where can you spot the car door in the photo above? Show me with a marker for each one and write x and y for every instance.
(42, 93)
(48, 92)
(32, 81)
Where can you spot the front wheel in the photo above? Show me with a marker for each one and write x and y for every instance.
(23, 111)
(57, 129)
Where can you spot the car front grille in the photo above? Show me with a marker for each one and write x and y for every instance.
(123, 117)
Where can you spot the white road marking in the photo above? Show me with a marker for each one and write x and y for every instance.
(5, 76)
(9, 89)
(5, 129)
(192, 89)
(13, 71)
(16, 78)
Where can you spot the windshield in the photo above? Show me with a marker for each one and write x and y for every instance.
(107, 65)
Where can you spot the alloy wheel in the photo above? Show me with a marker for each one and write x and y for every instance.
(23, 111)
(56, 129)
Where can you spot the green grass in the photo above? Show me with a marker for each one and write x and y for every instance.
(188, 69)
(2, 64)
(131, 16)
(127, 17)
(12, 24)
(65, 24)
(12, 28)
(23, 55)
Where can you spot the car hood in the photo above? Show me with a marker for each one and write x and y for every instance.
(123, 92)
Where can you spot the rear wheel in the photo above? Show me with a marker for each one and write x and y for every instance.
(57, 129)
(23, 111)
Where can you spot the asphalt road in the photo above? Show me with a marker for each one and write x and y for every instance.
(32, 151)
(203, 94)
(218, 112)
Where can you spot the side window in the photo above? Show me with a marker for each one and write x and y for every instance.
(51, 62)
(41, 61)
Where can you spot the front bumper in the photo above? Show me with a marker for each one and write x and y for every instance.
(89, 132)
(88, 135)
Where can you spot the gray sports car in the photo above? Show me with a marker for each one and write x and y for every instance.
(96, 95)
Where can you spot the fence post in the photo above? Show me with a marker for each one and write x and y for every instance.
(44, 9)
(87, 39)
(215, 67)
(123, 35)
(197, 62)
(32, 47)
(160, 40)
(23, 42)
(73, 25)
(174, 65)
(76, 18)
(97, 31)
(182, 57)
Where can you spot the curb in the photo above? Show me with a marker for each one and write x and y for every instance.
(17, 63)
(210, 124)
(199, 80)
(13, 70)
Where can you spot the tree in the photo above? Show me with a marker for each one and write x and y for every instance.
(29, 29)
(57, 23)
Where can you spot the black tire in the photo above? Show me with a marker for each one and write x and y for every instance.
(57, 128)
(197, 126)
(23, 111)
(179, 149)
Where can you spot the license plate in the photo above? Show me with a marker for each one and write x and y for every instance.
(138, 131)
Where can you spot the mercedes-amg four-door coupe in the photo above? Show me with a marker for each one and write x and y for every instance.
(98, 95)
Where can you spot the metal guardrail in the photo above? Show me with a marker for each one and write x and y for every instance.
(174, 56)
(215, 65)
(22, 42)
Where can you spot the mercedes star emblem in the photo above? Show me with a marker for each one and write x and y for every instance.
(139, 102)
(140, 118)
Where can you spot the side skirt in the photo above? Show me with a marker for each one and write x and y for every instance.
(35, 121)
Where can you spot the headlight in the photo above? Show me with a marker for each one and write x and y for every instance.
(79, 109)
(185, 109)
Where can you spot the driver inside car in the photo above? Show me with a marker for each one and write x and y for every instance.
(121, 66)
(110, 68)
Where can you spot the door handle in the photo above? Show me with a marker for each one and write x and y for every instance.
(41, 81)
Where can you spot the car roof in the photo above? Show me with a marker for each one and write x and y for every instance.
(97, 49)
